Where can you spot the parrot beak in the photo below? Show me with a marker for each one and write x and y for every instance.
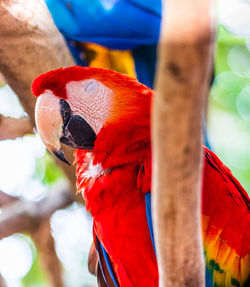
(56, 124)
(49, 123)
(60, 155)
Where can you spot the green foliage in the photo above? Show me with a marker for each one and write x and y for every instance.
(47, 170)
(35, 277)
(229, 108)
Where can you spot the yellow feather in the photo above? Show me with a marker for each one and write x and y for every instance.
(245, 267)
(102, 57)
(219, 278)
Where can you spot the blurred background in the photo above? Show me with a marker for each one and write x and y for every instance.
(28, 173)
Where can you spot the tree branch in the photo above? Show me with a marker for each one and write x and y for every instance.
(6, 199)
(46, 246)
(182, 84)
(30, 45)
(24, 216)
(11, 128)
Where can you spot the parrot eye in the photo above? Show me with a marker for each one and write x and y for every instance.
(65, 111)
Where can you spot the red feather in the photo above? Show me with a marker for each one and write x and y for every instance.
(116, 196)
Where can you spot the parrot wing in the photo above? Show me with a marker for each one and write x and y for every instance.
(225, 222)
(226, 225)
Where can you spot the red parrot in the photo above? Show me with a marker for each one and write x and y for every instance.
(105, 116)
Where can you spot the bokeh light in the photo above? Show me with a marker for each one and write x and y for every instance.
(237, 149)
(248, 43)
(226, 87)
(9, 103)
(17, 255)
(243, 104)
(239, 60)
(229, 107)
(72, 231)
(235, 16)
(18, 163)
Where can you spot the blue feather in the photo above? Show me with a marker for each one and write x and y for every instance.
(123, 24)
(209, 277)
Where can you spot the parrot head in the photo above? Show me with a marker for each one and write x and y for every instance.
(75, 104)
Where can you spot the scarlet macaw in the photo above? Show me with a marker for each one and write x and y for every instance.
(105, 116)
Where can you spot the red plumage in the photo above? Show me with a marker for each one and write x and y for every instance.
(115, 196)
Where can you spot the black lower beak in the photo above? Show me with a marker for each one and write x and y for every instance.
(78, 134)
(60, 155)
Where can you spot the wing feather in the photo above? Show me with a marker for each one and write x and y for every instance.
(226, 224)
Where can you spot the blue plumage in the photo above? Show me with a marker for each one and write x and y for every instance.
(123, 24)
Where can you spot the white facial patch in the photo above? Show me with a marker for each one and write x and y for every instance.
(91, 100)
(93, 171)
(88, 173)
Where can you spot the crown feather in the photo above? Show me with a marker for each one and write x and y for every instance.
(56, 80)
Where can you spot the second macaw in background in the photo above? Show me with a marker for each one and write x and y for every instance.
(106, 117)
(126, 33)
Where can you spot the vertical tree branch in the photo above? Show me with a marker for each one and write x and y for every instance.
(182, 85)
(30, 45)
(46, 246)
